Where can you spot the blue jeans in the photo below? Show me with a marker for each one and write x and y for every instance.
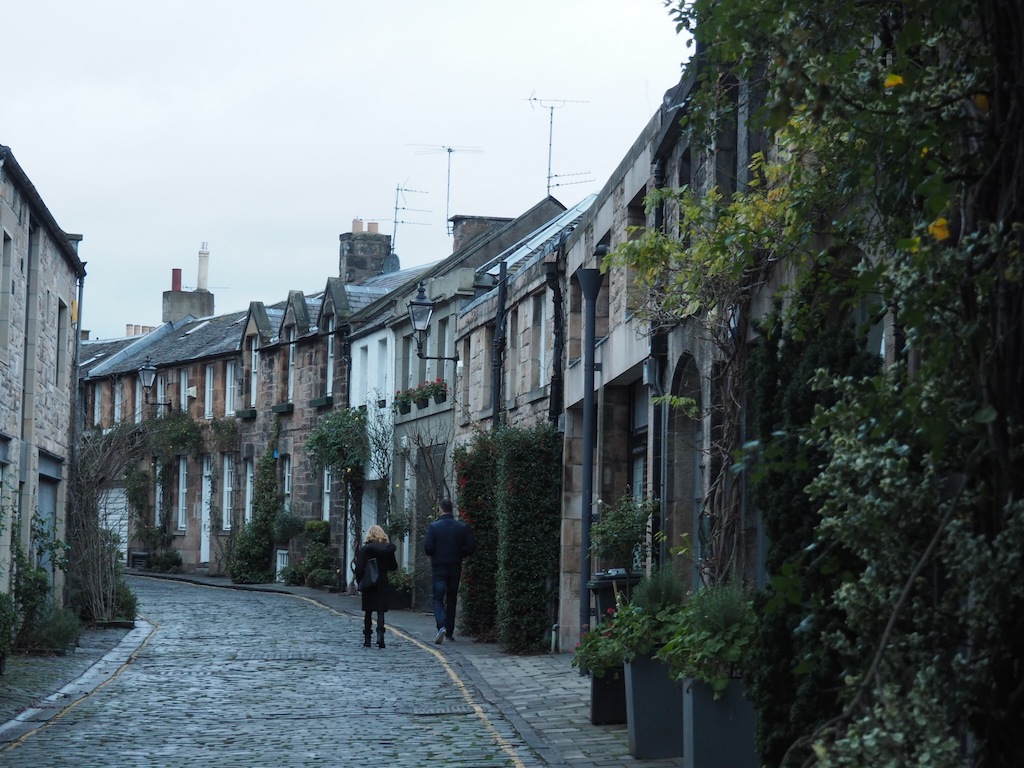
(445, 580)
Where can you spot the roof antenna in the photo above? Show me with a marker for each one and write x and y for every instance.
(400, 195)
(431, 149)
(551, 105)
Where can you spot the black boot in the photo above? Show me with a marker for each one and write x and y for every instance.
(380, 637)
(366, 639)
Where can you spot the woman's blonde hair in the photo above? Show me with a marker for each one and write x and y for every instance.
(376, 535)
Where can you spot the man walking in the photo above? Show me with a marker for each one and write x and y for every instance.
(448, 541)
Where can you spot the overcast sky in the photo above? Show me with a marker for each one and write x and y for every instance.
(265, 128)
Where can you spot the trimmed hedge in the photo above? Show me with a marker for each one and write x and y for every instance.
(528, 496)
(476, 468)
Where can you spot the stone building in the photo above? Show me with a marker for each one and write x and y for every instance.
(43, 280)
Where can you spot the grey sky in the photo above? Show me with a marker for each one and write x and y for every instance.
(265, 128)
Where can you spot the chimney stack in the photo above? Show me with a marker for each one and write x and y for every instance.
(202, 282)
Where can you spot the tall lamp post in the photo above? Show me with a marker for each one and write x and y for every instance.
(590, 284)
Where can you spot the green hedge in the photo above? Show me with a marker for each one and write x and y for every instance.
(475, 471)
(251, 560)
(528, 496)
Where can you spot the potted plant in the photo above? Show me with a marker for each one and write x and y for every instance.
(403, 400)
(616, 538)
(654, 704)
(401, 582)
(600, 653)
(705, 651)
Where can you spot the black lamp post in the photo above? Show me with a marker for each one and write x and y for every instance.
(147, 375)
(420, 310)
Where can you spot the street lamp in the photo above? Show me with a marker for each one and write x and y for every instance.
(147, 375)
(420, 310)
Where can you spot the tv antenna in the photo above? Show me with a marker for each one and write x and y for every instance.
(430, 149)
(400, 193)
(551, 105)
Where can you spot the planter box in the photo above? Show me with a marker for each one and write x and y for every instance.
(654, 710)
(608, 697)
(423, 402)
(718, 734)
(404, 408)
(438, 399)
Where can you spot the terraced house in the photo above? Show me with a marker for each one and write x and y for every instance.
(42, 281)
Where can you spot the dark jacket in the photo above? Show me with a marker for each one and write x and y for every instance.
(376, 598)
(448, 541)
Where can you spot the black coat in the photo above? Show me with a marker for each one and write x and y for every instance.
(448, 541)
(376, 598)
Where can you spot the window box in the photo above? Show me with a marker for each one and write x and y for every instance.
(246, 413)
(322, 402)
(283, 408)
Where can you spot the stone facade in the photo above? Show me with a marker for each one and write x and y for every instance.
(42, 279)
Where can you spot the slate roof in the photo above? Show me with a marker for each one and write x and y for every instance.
(171, 344)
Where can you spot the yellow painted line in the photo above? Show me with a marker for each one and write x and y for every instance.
(478, 710)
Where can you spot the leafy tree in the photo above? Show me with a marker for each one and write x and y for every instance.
(892, 178)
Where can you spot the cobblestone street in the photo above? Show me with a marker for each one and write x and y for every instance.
(246, 678)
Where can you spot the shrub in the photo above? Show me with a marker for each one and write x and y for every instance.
(320, 577)
(53, 629)
(529, 522)
(251, 556)
(8, 623)
(318, 531)
(167, 561)
(475, 470)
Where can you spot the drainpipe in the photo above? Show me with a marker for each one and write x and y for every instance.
(660, 417)
(590, 284)
(499, 348)
(553, 279)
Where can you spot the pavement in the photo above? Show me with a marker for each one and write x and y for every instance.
(541, 696)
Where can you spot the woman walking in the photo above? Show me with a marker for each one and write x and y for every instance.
(375, 592)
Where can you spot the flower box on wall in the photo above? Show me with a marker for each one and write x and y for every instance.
(322, 402)
(422, 402)
(283, 408)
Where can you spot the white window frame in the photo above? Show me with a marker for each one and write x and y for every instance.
(330, 356)
(250, 481)
(229, 387)
(182, 493)
(254, 368)
(208, 394)
(183, 389)
(161, 391)
(227, 482)
(158, 503)
(138, 400)
(325, 513)
(118, 401)
(291, 363)
(286, 481)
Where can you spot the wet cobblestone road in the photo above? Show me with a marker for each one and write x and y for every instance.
(244, 679)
